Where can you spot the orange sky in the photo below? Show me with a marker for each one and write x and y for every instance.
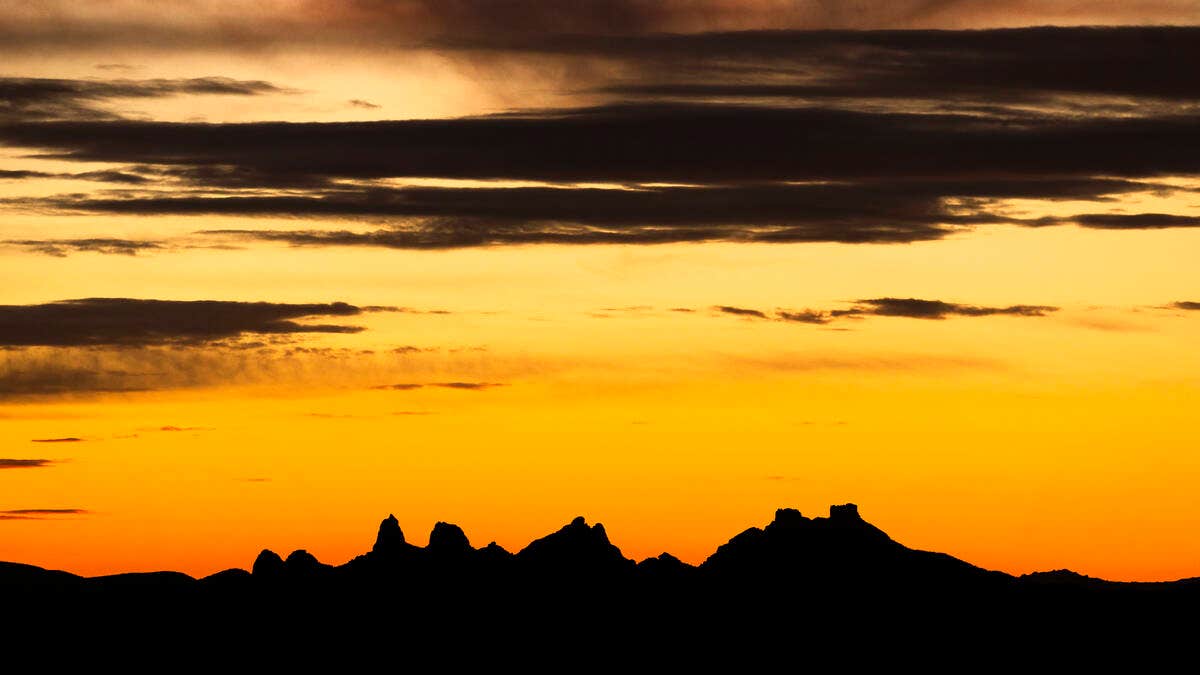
(589, 379)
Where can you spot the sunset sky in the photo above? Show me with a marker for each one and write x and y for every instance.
(271, 270)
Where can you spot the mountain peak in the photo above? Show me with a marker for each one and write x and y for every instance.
(267, 564)
(576, 546)
(448, 539)
(303, 563)
(789, 519)
(824, 546)
(844, 512)
(390, 539)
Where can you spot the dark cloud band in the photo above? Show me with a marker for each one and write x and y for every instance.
(40, 514)
(133, 322)
(867, 211)
(467, 386)
(912, 308)
(25, 463)
(24, 98)
(628, 143)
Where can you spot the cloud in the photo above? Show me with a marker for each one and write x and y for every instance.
(60, 248)
(1008, 66)
(359, 103)
(739, 311)
(122, 345)
(936, 309)
(1186, 304)
(27, 98)
(410, 349)
(911, 308)
(135, 322)
(920, 364)
(265, 365)
(870, 211)
(40, 514)
(772, 136)
(689, 172)
(469, 386)
(672, 142)
(98, 176)
(1132, 221)
(66, 439)
(61, 25)
(804, 316)
(25, 463)
(24, 374)
(40, 372)
(517, 21)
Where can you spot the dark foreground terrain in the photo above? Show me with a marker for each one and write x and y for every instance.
(833, 590)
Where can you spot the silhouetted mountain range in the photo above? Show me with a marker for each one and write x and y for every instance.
(821, 576)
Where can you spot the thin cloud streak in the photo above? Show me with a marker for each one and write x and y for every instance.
(25, 463)
(136, 322)
(27, 98)
(61, 248)
(41, 514)
(467, 386)
(911, 308)
(740, 311)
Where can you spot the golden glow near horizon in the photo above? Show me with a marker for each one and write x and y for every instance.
(973, 435)
(607, 382)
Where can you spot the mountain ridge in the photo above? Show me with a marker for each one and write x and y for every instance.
(836, 585)
(577, 540)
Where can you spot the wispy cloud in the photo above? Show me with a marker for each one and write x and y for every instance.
(60, 248)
